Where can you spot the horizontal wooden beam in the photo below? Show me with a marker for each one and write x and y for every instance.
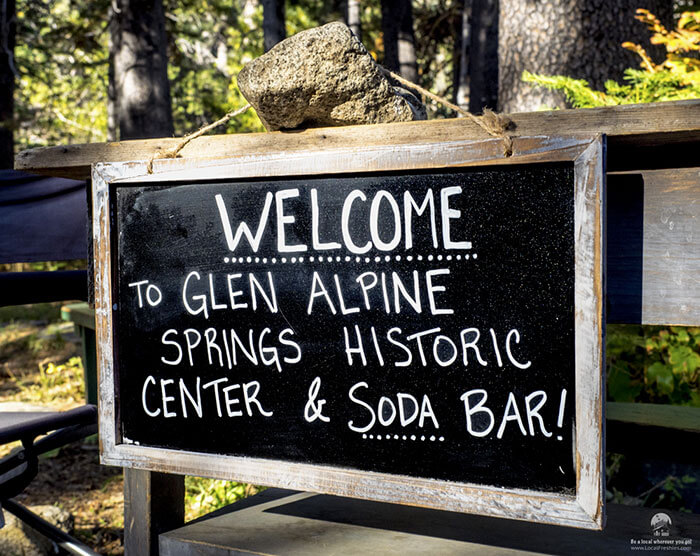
(672, 127)
(653, 432)
(655, 415)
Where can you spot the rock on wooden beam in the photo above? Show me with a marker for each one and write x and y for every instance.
(665, 131)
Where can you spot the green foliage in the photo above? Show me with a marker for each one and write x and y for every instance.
(47, 312)
(61, 57)
(210, 42)
(667, 493)
(654, 364)
(642, 87)
(206, 495)
(675, 78)
(55, 383)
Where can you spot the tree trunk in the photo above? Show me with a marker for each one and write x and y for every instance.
(141, 87)
(483, 56)
(461, 55)
(399, 41)
(273, 22)
(112, 115)
(7, 82)
(577, 38)
(353, 11)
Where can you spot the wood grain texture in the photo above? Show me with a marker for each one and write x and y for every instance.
(671, 276)
(631, 125)
(585, 509)
(300, 524)
(655, 415)
(653, 432)
(654, 247)
(589, 257)
(153, 504)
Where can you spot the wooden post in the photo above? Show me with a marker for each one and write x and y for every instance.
(153, 503)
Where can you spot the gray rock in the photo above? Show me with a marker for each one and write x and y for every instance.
(17, 538)
(323, 77)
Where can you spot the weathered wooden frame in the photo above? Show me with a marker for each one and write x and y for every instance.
(584, 509)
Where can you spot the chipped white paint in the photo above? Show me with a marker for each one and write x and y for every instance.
(584, 509)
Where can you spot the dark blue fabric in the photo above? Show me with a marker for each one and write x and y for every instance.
(41, 218)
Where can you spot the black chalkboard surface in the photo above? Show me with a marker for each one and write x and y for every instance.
(417, 324)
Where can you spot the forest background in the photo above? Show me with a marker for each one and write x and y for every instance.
(106, 70)
(121, 69)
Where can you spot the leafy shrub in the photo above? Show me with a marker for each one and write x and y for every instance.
(206, 495)
(654, 364)
(675, 78)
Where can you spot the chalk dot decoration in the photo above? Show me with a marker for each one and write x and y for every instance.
(403, 437)
(349, 259)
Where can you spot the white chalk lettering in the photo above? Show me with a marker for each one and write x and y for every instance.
(511, 413)
(387, 411)
(166, 399)
(374, 220)
(171, 343)
(410, 205)
(230, 402)
(403, 417)
(373, 418)
(201, 298)
(215, 384)
(533, 412)
(315, 241)
(480, 408)
(149, 380)
(252, 399)
(264, 350)
(341, 301)
(466, 345)
(196, 404)
(448, 214)
(284, 219)
(515, 333)
(435, 288)
(350, 350)
(345, 223)
(400, 288)
(318, 290)
(243, 229)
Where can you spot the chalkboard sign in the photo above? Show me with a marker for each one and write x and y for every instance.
(349, 330)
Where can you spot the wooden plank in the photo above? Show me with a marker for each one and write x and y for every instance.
(653, 262)
(629, 128)
(653, 432)
(153, 504)
(80, 314)
(655, 415)
(284, 522)
(671, 277)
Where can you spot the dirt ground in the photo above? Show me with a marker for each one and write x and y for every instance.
(92, 493)
(72, 478)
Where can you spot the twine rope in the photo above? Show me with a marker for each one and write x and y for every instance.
(173, 153)
(496, 125)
